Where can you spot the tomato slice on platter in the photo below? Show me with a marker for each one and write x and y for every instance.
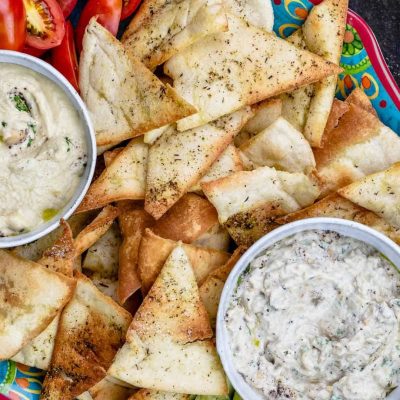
(67, 6)
(108, 14)
(12, 24)
(45, 23)
(129, 7)
(32, 51)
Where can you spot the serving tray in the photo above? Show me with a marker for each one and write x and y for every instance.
(364, 67)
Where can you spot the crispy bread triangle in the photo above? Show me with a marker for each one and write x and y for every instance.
(168, 346)
(360, 99)
(147, 394)
(219, 75)
(124, 98)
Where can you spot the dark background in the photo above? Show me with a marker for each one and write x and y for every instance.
(383, 16)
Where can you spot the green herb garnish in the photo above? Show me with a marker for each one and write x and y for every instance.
(30, 140)
(33, 127)
(20, 103)
(49, 213)
(69, 142)
(3, 124)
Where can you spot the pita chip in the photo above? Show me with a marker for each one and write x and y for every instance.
(96, 229)
(30, 298)
(219, 75)
(169, 346)
(124, 98)
(280, 146)
(379, 193)
(323, 34)
(177, 160)
(91, 330)
(360, 99)
(360, 145)
(106, 389)
(151, 136)
(216, 238)
(248, 201)
(147, 394)
(154, 251)
(339, 108)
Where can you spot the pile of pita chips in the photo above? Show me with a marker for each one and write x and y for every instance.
(169, 345)
(124, 98)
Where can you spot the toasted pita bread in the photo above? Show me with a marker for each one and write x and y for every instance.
(146, 394)
(124, 178)
(247, 201)
(379, 193)
(178, 160)
(151, 136)
(30, 298)
(227, 163)
(217, 83)
(133, 223)
(102, 149)
(110, 155)
(107, 390)
(168, 343)
(323, 34)
(360, 145)
(123, 104)
(95, 230)
(280, 146)
(170, 27)
(216, 238)
(339, 108)
(359, 98)
(154, 250)
(91, 329)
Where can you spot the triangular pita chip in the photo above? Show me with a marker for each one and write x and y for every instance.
(177, 160)
(339, 108)
(151, 136)
(91, 330)
(107, 390)
(379, 193)
(110, 155)
(219, 75)
(30, 298)
(247, 201)
(168, 344)
(280, 146)
(148, 394)
(216, 238)
(323, 34)
(124, 98)
(160, 30)
(154, 250)
(360, 145)
(124, 178)
(360, 99)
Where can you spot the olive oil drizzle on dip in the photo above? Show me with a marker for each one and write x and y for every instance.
(317, 317)
(43, 150)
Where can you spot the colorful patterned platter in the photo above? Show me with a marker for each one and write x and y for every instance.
(364, 67)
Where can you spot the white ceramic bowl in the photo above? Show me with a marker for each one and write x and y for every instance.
(344, 227)
(37, 65)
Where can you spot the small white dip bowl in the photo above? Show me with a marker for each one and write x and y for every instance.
(346, 228)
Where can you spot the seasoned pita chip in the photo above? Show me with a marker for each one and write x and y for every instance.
(280, 146)
(359, 98)
(124, 178)
(323, 34)
(168, 344)
(95, 230)
(171, 26)
(336, 206)
(110, 155)
(187, 220)
(227, 163)
(151, 136)
(379, 193)
(154, 251)
(339, 108)
(177, 160)
(216, 238)
(147, 394)
(133, 223)
(360, 145)
(30, 298)
(219, 74)
(107, 390)
(91, 329)
(247, 201)
(124, 98)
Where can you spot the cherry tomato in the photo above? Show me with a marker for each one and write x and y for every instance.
(63, 57)
(129, 7)
(109, 15)
(67, 6)
(45, 23)
(12, 24)
(32, 51)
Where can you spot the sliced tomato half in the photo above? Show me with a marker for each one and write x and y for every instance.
(129, 7)
(12, 24)
(45, 23)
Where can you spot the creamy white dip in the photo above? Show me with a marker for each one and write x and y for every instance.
(317, 317)
(42, 149)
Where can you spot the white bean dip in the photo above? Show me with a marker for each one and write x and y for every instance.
(317, 317)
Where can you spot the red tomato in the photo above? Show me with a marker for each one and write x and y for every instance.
(109, 15)
(67, 6)
(12, 24)
(129, 7)
(32, 51)
(63, 57)
(45, 23)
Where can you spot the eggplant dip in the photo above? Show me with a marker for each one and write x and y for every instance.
(42, 149)
(316, 316)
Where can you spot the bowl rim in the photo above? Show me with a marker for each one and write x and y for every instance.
(345, 227)
(48, 71)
